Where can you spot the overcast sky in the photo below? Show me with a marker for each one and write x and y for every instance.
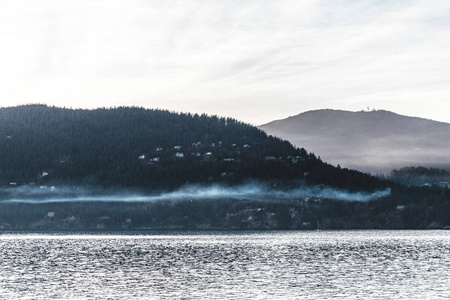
(252, 60)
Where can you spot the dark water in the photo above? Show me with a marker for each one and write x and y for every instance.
(264, 265)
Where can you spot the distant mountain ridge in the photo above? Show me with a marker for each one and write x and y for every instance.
(373, 141)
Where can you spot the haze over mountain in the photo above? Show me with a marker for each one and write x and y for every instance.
(135, 168)
(373, 141)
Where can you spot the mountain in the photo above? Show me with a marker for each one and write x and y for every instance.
(371, 141)
(135, 168)
(151, 149)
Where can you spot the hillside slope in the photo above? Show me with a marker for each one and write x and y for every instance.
(135, 168)
(375, 141)
(136, 147)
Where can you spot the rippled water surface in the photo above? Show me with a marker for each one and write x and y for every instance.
(218, 265)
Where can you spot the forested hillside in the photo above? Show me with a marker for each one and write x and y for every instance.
(135, 168)
(420, 176)
(154, 149)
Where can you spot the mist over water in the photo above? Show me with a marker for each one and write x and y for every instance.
(253, 192)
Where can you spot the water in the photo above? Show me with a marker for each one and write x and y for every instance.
(218, 265)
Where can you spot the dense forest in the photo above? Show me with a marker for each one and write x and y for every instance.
(151, 149)
(420, 176)
(54, 152)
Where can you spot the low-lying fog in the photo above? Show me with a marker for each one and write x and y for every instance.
(253, 191)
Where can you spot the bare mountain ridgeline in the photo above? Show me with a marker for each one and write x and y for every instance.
(371, 141)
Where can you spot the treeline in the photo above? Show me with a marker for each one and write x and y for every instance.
(152, 149)
(420, 176)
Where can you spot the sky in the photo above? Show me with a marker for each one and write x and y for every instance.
(255, 61)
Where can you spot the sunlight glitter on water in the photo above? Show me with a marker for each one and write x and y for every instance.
(217, 265)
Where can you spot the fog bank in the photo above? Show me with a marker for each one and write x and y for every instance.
(252, 192)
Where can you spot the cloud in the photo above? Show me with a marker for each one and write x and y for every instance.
(225, 57)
